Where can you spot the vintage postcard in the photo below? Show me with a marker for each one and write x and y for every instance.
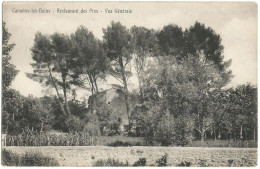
(87, 84)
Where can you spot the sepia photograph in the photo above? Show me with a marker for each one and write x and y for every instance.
(129, 84)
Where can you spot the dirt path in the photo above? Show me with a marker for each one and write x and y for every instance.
(86, 156)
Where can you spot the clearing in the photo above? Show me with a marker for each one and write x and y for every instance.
(197, 156)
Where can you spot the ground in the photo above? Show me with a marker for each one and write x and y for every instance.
(197, 156)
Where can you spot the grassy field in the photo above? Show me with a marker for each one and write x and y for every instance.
(196, 156)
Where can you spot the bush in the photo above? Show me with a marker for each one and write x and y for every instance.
(165, 132)
(9, 158)
(29, 159)
(203, 163)
(140, 162)
(109, 163)
(37, 159)
(124, 144)
(74, 124)
(92, 129)
(162, 161)
(184, 164)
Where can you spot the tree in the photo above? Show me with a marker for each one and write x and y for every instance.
(42, 113)
(117, 40)
(244, 110)
(201, 49)
(53, 65)
(171, 41)
(91, 60)
(206, 78)
(144, 45)
(74, 124)
(108, 120)
(204, 40)
(9, 71)
(185, 86)
(62, 45)
(169, 93)
(11, 98)
(11, 110)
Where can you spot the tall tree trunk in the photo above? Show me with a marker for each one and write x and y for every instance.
(254, 132)
(57, 92)
(202, 132)
(140, 88)
(126, 94)
(96, 86)
(202, 135)
(65, 95)
(215, 135)
(219, 134)
(42, 126)
(92, 84)
(241, 132)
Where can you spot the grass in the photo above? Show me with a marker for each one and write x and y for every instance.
(123, 141)
(224, 143)
(29, 159)
(123, 156)
(109, 163)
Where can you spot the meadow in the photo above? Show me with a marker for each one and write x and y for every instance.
(176, 156)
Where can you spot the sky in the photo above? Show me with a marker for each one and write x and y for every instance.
(235, 22)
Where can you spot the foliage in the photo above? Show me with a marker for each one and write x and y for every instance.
(92, 129)
(162, 161)
(223, 143)
(182, 92)
(53, 65)
(123, 144)
(144, 45)
(33, 138)
(109, 163)
(91, 62)
(171, 41)
(28, 159)
(108, 120)
(117, 42)
(9, 71)
(11, 98)
(165, 130)
(119, 140)
(11, 108)
(140, 162)
(9, 158)
(184, 164)
(205, 40)
(203, 163)
(74, 124)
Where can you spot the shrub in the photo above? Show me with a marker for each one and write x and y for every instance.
(184, 164)
(162, 161)
(120, 144)
(124, 144)
(91, 129)
(230, 163)
(37, 159)
(74, 124)
(140, 162)
(9, 158)
(165, 131)
(203, 163)
(29, 159)
(109, 163)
